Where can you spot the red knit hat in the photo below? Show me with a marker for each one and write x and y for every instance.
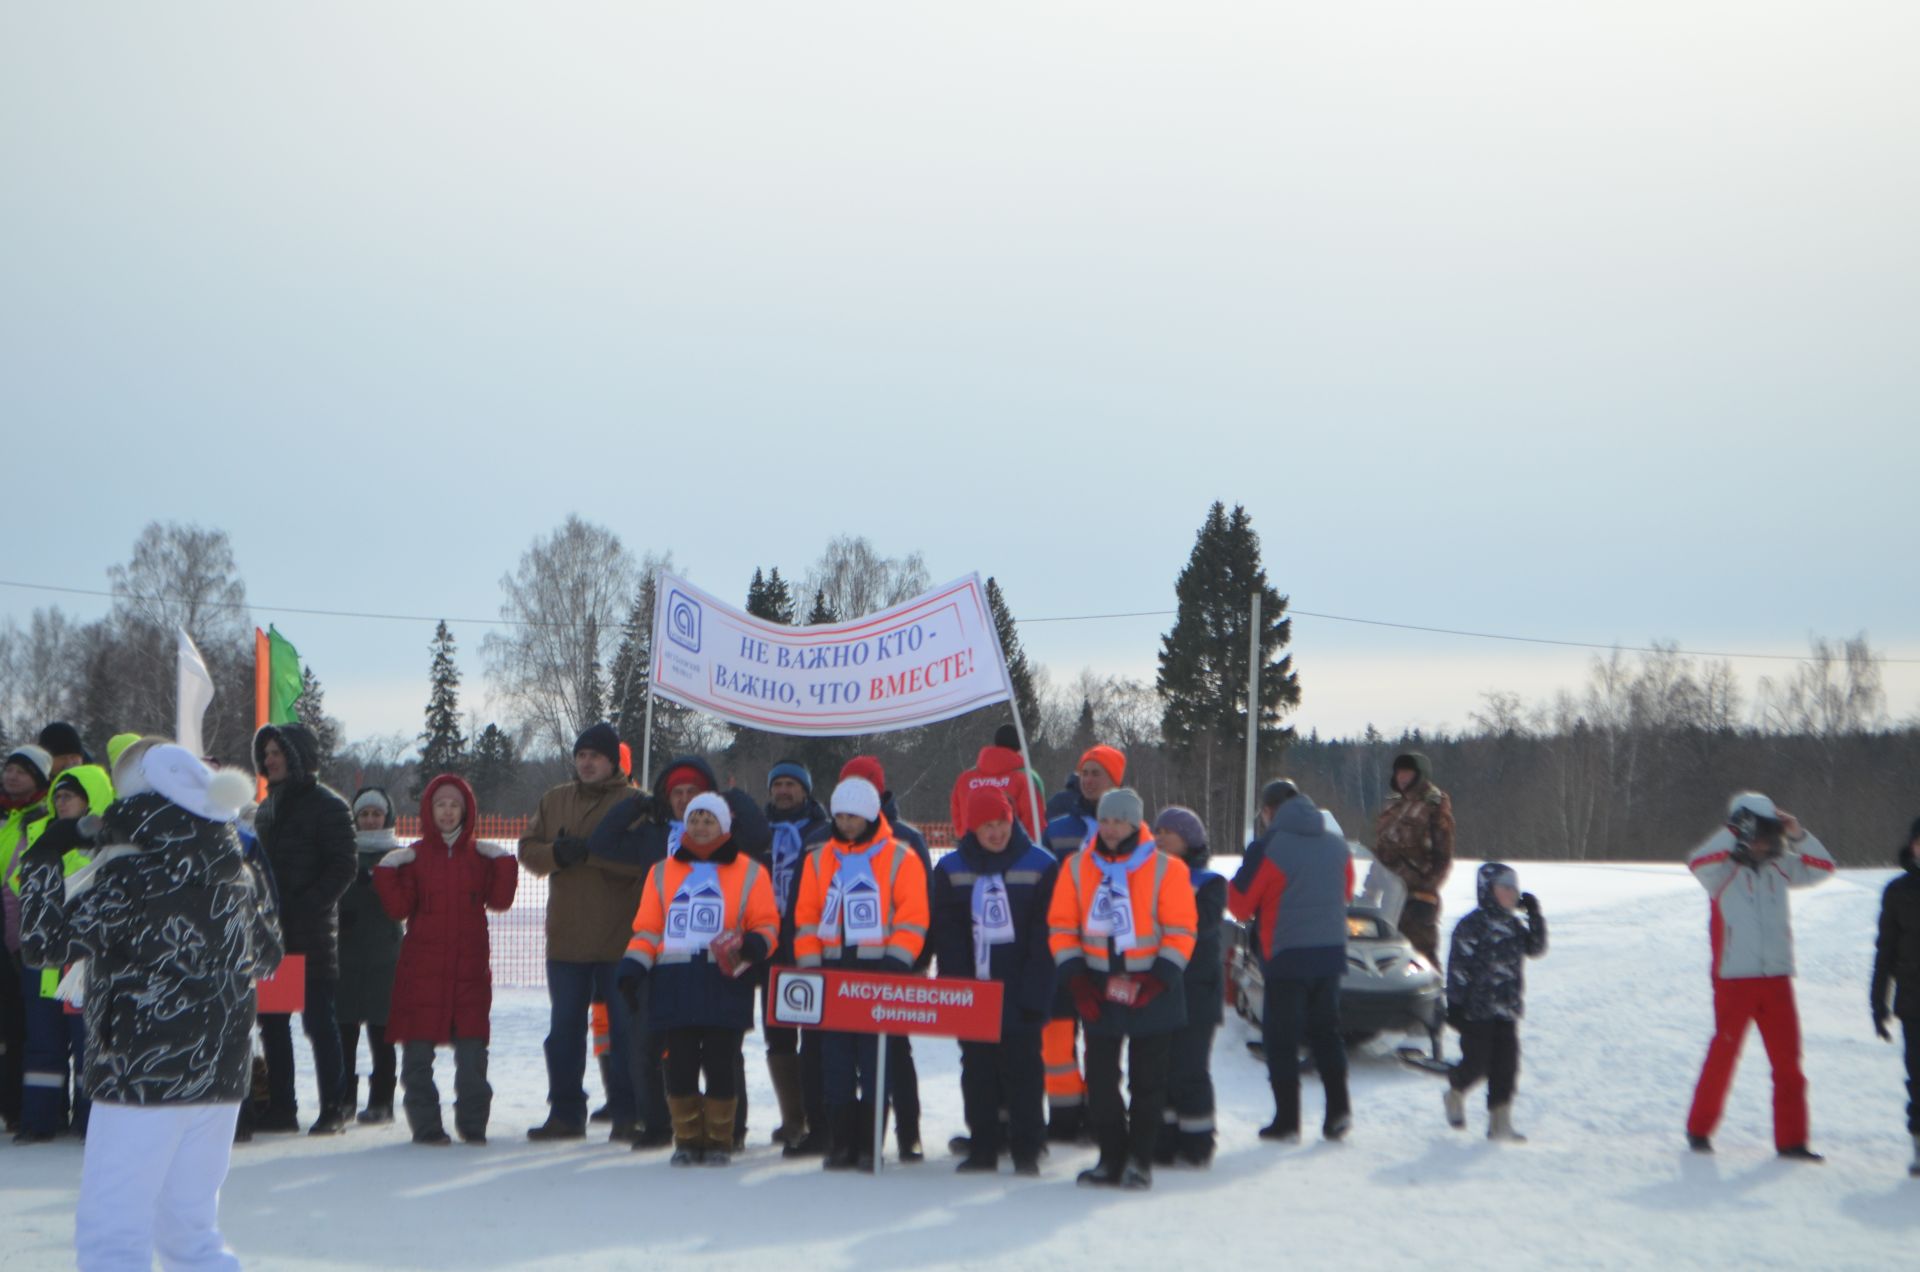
(685, 775)
(1109, 759)
(985, 804)
(868, 768)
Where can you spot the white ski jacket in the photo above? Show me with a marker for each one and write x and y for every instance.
(1751, 926)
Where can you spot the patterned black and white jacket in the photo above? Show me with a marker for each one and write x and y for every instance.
(173, 924)
(1486, 968)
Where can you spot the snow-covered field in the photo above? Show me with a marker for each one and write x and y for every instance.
(1618, 1022)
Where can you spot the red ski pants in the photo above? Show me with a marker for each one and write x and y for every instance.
(1766, 1001)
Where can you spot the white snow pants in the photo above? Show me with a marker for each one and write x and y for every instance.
(150, 1180)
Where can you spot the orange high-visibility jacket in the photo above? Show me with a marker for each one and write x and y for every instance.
(1165, 919)
(745, 890)
(902, 881)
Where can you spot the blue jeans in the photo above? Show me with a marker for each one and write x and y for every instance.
(1309, 1005)
(571, 989)
(323, 1034)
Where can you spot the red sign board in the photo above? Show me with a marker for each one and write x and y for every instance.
(285, 991)
(870, 1002)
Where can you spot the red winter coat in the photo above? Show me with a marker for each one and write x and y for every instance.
(443, 987)
(996, 768)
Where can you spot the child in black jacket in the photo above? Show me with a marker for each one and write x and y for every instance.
(1896, 966)
(1486, 996)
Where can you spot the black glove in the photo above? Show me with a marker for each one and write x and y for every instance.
(1531, 904)
(632, 979)
(41, 855)
(1880, 1026)
(569, 850)
(1742, 855)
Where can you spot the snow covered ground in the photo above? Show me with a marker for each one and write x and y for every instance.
(1618, 1022)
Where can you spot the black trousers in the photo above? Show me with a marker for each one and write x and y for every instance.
(1490, 1049)
(1190, 1084)
(1130, 1128)
(1294, 1006)
(13, 1044)
(1911, 1027)
(380, 1085)
(1005, 1075)
(697, 1052)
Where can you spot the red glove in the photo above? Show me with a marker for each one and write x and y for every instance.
(1147, 988)
(726, 953)
(1086, 999)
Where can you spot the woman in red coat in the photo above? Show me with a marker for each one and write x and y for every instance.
(441, 886)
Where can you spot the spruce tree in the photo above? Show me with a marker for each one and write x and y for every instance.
(770, 598)
(821, 612)
(1018, 669)
(310, 709)
(1203, 660)
(443, 748)
(493, 766)
(1083, 731)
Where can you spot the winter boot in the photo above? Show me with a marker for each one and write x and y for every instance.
(689, 1129)
(1801, 1153)
(863, 1141)
(350, 1096)
(375, 1114)
(1336, 1127)
(1500, 1125)
(1112, 1166)
(555, 1129)
(1456, 1104)
(1914, 1170)
(1285, 1126)
(719, 1115)
(1699, 1143)
(1137, 1177)
(843, 1150)
(1066, 1124)
(789, 1092)
(278, 1122)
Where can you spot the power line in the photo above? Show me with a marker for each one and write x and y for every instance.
(1051, 618)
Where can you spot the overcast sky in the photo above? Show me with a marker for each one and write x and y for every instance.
(1582, 321)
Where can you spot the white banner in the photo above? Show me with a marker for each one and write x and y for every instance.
(932, 658)
(195, 695)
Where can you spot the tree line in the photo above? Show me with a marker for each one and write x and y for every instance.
(1633, 764)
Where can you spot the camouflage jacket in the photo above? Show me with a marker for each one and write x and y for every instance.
(1414, 837)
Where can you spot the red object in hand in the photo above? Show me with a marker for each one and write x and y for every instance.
(1086, 999)
(1146, 989)
(1123, 990)
(726, 952)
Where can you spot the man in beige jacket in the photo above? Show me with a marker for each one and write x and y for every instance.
(590, 907)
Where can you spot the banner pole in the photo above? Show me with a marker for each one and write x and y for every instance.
(1253, 719)
(1020, 729)
(645, 775)
(879, 1101)
(262, 657)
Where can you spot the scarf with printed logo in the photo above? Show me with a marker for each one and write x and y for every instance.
(1112, 911)
(788, 847)
(697, 913)
(853, 898)
(992, 921)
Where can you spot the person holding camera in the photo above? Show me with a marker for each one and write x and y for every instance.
(1486, 995)
(1747, 868)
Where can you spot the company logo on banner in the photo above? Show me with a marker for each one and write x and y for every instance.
(870, 1002)
(932, 658)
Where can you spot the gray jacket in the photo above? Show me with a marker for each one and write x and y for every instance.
(1751, 925)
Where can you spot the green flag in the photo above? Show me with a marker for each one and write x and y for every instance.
(283, 678)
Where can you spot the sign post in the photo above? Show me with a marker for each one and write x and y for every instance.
(878, 1003)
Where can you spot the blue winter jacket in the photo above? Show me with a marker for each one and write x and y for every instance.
(1025, 965)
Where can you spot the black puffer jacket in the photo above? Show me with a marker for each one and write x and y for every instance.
(1896, 955)
(174, 925)
(306, 830)
(1486, 968)
(369, 940)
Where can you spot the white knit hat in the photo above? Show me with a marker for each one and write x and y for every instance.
(178, 775)
(708, 802)
(856, 795)
(35, 757)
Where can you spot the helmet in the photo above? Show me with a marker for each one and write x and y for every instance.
(1747, 811)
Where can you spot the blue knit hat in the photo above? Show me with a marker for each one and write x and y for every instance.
(793, 769)
(1183, 822)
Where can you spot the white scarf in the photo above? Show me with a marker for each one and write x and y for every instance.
(788, 847)
(1112, 912)
(992, 921)
(853, 899)
(697, 913)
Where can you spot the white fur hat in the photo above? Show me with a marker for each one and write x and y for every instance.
(856, 795)
(178, 775)
(708, 802)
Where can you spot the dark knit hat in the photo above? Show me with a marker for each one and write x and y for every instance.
(61, 738)
(1183, 822)
(793, 769)
(1277, 792)
(602, 738)
(1007, 736)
